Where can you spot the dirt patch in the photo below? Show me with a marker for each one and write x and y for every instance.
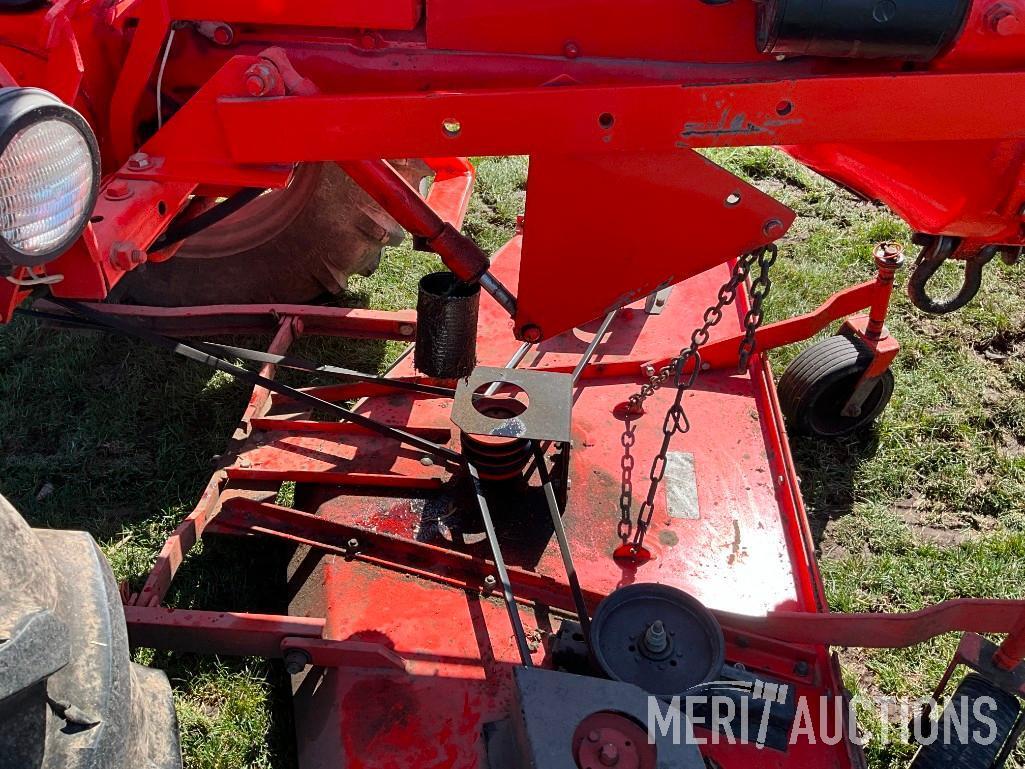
(1002, 345)
(829, 545)
(1010, 445)
(855, 662)
(944, 529)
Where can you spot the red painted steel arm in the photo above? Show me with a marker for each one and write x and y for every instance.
(210, 632)
(1012, 650)
(883, 631)
(723, 353)
(452, 189)
(150, 34)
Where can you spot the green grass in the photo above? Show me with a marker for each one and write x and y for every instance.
(930, 505)
(113, 437)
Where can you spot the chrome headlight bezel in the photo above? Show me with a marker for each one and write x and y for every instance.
(21, 108)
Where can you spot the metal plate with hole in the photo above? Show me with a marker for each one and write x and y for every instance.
(546, 418)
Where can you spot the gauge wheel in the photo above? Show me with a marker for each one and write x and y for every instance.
(295, 245)
(817, 385)
(979, 711)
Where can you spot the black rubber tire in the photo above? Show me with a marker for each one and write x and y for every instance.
(816, 386)
(948, 751)
(338, 233)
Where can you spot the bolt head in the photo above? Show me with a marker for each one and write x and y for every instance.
(571, 50)
(139, 161)
(531, 333)
(353, 543)
(489, 581)
(255, 85)
(123, 255)
(260, 79)
(117, 190)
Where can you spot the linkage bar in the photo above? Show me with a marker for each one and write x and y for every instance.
(192, 353)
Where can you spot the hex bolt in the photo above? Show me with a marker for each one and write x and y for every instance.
(489, 582)
(801, 668)
(593, 736)
(571, 50)
(609, 754)
(140, 161)
(353, 543)
(296, 661)
(255, 85)
(124, 255)
(117, 190)
(261, 78)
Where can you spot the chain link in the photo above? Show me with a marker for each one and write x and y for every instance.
(687, 368)
(759, 291)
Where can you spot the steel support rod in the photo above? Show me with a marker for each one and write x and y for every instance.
(589, 352)
(503, 574)
(560, 536)
(514, 361)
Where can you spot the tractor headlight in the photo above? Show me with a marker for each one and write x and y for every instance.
(49, 176)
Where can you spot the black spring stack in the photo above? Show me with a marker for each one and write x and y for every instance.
(446, 328)
(497, 458)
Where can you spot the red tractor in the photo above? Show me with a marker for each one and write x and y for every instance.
(480, 576)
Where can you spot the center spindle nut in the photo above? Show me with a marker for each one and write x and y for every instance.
(609, 754)
(655, 639)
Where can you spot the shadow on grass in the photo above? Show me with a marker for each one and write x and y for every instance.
(828, 470)
(116, 438)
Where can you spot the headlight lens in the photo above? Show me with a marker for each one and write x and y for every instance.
(49, 176)
(46, 182)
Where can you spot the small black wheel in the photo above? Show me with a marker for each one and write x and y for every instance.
(973, 729)
(817, 385)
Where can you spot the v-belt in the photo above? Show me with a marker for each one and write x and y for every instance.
(200, 352)
(259, 356)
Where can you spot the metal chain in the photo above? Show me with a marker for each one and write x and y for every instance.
(628, 439)
(759, 291)
(687, 368)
